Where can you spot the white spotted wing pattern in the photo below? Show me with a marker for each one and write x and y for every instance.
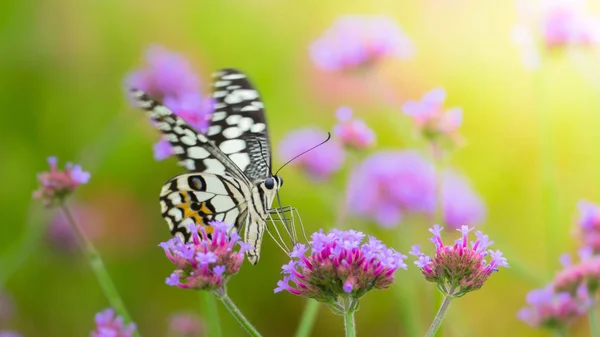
(230, 176)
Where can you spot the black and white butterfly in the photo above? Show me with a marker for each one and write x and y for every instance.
(230, 175)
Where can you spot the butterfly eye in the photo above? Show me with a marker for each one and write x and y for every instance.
(269, 183)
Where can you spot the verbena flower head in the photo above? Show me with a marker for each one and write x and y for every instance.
(110, 325)
(589, 224)
(205, 263)
(553, 24)
(459, 268)
(430, 117)
(56, 185)
(585, 273)
(320, 162)
(460, 203)
(352, 132)
(9, 333)
(170, 78)
(389, 184)
(340, 267)
(185, 325)
(167, 74)
(565, 22)
(554, 310)
(357, 41)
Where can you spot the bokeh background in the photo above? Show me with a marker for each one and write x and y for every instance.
(530, 150)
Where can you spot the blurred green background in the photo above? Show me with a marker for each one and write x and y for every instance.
(62, 65)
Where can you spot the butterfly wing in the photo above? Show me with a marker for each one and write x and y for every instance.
(238, 124)
(200, 198)
(195, 151)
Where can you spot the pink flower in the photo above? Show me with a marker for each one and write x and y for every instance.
(352, 132)
(56, 184)
(430, 117)
(550, 309)
(186, 325)
(107, 325)
(205, 263)
(585, 273)
(356, 41)
(589, 224)
(338, 266)
(321, 162)
(460, 203)
(459, 268)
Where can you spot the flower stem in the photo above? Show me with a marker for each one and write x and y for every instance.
(308, 319)
(106, 283)
(349, 324)
(235, 311)
(210, 313)
(437, 321)
(593, 320)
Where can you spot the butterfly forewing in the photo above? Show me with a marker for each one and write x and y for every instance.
(238, 125)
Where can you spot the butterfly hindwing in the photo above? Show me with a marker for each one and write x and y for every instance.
(201, 198)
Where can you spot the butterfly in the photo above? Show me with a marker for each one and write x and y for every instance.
(230, 176)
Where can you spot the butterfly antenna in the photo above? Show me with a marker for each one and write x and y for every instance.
(302, 153)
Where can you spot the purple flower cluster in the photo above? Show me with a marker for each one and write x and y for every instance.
(9, 333)
(388, 184)
(207, 262)
(56, 184)
(352, 132)
(109, 325)
(430, 117)
(186, 325)
(170, 78)
(554, 310)
(585, 273)
(319, 163)
(589, 225)
(461, 205)
(565, 23)
(357, 41)
(339, 266)
(459, 268)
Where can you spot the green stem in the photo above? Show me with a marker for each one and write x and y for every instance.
(235, 311)
(309, 316)
(106, 283)
(16, 256)
(349, 324)
(211, 314)
(437, 321)
(593, 319)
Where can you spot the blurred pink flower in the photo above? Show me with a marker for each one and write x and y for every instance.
(110, 325)
(461, 205)
(167, 74)
(60, 233)
(56, 184)
(355, 41)
(389, 184)
(170, 79)
(185, 325)
(321, 162)
(352, 132)
(553, 24)
(585, 273)
(554, 310)
(589, 224)
(430, 117)
(9, 333)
